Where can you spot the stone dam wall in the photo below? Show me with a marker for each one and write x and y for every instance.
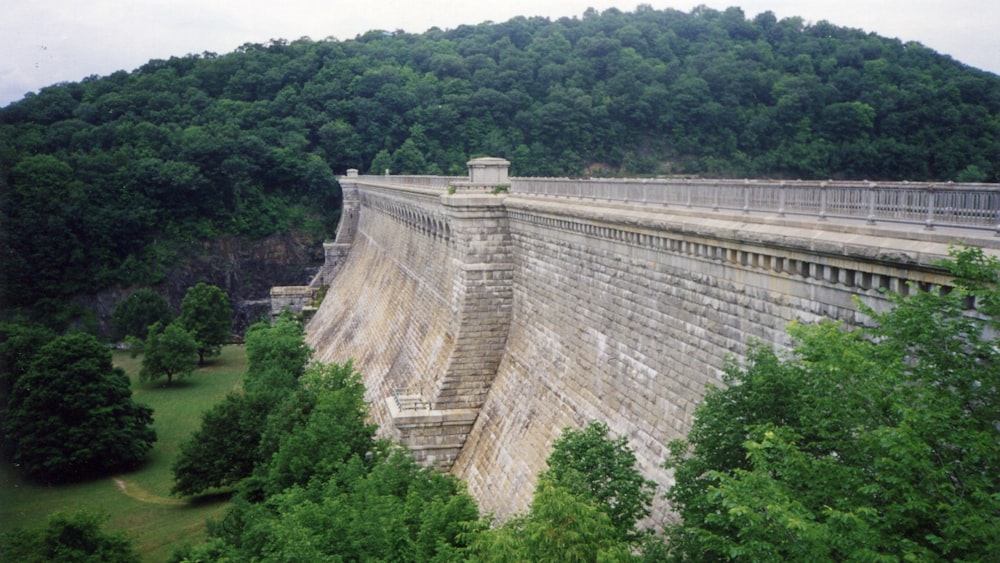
(484, 324)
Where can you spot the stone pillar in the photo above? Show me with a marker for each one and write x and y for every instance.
(481, 300)
(488, 170)
(348, 225)
(481, 297)
(484, 291)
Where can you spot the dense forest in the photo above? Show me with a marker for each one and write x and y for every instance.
(103, 181)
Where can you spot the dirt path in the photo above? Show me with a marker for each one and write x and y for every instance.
(140, 494)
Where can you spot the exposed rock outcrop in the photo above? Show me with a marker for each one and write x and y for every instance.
(244, 268)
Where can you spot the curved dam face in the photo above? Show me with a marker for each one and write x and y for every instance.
(389, 308)
(486, 324)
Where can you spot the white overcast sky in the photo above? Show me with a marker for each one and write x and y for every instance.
(43, 42)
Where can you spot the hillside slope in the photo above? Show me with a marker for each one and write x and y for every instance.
(102, 180)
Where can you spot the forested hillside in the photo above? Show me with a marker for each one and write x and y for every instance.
(101, 180)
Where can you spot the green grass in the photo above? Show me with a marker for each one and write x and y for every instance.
(139, 502)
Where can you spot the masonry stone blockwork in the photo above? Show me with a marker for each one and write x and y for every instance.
(484, 322)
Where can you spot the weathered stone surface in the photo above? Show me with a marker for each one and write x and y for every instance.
(513, 317)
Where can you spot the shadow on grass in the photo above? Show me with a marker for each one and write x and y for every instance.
(211, 498)
(161, 384)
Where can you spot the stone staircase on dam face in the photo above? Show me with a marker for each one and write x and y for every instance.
(435, 436)
(519, 314)
(435, 413)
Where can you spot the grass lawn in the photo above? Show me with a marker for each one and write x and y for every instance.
(140, 502)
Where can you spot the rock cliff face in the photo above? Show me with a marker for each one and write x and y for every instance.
(244, 268)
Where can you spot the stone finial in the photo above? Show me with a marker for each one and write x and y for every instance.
(488, 170)
(352, 172)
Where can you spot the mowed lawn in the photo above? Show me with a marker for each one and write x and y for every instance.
(139, 502)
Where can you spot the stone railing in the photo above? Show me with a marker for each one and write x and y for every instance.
(441, 182)
(975, 206)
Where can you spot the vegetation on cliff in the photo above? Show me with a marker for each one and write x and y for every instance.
(101, 179)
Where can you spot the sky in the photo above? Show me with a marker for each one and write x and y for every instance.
(43, 42)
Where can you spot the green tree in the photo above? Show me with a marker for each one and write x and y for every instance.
(873, 444)
(382, 163)
(318, 429)
(561, 526)
(408, 159)
(385, 509)
(75, 537)
(134, 314)
(207, 315)
(326, 489)
(20, 341)
(277, 355)
(225, 449)
(168, 351)
(593, 465)
(72, 414)
(586, 505)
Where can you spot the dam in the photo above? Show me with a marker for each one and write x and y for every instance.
(487, 313)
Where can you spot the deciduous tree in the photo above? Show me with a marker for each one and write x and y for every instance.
(591, 464)
(168, 351)
(225, 449)
(72, 414)
(73, 537)
(134, 314)
(277, 354)
(872, 444)
(586, 505)
(207, 315)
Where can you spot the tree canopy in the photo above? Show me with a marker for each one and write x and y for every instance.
(590, 463)
(71, 415)
(227, 448)
(20, 341)
(313, 483)
(104, 179)
(207, 315)
(873, 444)
(68, 537)
(134, 314)
(168, 351)
(586, 507)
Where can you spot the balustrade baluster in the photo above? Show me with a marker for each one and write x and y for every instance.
(822, 201)
(872, 194)
(929, 223)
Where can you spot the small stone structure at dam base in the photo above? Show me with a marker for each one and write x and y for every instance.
(489, 313)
